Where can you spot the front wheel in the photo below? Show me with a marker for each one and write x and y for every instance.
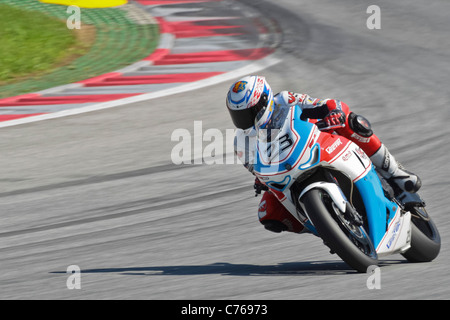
(348, 240)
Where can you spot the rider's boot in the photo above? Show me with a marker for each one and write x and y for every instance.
(394, 172)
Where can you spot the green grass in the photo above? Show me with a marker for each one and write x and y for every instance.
(109, 39)
(31, 42)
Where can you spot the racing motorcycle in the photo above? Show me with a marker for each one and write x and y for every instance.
(330, 185)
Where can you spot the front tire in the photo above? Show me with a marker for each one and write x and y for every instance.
(350, 242)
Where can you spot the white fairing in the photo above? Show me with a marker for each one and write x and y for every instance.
(352, 160)
(398, 237)
(333, 191)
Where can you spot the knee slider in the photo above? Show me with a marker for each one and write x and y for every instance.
(360, 125)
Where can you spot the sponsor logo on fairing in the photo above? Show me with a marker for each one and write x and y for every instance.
(361, 154)
(347, 156)
(334, 146)
(394, 234)
(360, 138)
(262, 210)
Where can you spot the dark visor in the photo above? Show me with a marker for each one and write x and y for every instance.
(245, 118)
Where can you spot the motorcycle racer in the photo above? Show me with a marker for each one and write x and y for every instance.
(252, 105)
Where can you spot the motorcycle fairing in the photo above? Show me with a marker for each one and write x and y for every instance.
(380, 211)
(299, 146)
(278, 157)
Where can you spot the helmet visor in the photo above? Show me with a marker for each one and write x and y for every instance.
(245, 118)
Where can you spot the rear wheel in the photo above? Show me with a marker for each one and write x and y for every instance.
(425, 238)
(342, 235)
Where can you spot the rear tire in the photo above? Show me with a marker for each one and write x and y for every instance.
(425, 238)
(354, 248)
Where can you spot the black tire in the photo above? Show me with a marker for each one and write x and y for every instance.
(425, 238)
(320, 210)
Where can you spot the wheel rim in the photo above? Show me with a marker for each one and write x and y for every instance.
(356, 234)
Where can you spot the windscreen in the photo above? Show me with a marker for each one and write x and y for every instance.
(274, 124)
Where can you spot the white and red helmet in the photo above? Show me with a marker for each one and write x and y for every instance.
(250, 99)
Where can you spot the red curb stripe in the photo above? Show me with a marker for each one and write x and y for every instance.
(99, 78)
(7, 117)
(215, 56)
(164, 26)
(158, 54)
(67, 99)
(154, 79)
(193, 25)
(204, 33)
(9, 101)
(190, 29)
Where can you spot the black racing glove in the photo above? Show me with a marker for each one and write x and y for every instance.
(335, 118)
(259, 186)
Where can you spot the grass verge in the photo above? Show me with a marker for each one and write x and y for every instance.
(110, 37)
(31, 42)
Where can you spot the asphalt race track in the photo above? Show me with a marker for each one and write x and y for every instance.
(99, 190)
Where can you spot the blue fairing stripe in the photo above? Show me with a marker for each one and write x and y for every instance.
(376, 204)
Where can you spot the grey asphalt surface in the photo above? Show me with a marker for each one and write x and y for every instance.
(99, 190)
